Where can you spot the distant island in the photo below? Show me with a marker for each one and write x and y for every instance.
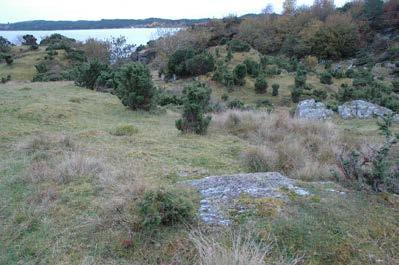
(103, 24)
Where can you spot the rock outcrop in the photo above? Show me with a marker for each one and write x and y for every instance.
(220, 192)
(362, 110)
(312, 110)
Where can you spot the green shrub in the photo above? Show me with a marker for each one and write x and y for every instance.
(76, 55)
(88, 73)
(296, 93)
(300, 79)
(275, 88)
(395, 85)
(264, 61)
(177, 62)
(319, 94)
(135, 87)
(9, 59)
(225, 97)
(272, 71)
(167, 98)
(229, 55)
(125, 130)
(350, 73)
(165, 207)
(239, 74)
(236, 104)
(219, 72)
(228, 79)
(185, 62)
(337, 73)
(200, 64)
(332, 105)
(196, 101)
(261, 84)
(326, 78)
(264, 103)
(253, 68)
(238, 46)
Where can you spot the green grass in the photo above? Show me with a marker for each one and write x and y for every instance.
(47, 222)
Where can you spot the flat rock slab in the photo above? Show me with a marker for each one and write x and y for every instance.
(362, 110)
(219, 192)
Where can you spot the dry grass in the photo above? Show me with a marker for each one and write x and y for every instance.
(242, 247)
(242, 250)
(299, 148)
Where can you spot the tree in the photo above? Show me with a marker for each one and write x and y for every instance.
(323, 8)
(97, 50)
(135, 87)
(120, 51)
(196, 101)
(373, 9)
(289, 7)
(268, 9)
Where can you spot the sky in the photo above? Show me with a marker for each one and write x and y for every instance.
(23, 10)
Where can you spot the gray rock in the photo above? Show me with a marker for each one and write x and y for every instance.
(312, 110)
(219, 192)
(395, 118)
(362, 110)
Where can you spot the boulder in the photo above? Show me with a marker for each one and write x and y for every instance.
(312, 110)
(362, 110)
(219, 194)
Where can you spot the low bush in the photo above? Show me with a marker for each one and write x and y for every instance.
(165, 207)
(168, 98)
(200, 64)
(319, 94)
(236, 104)
(239, 74)
(135, 88)
(238, 46)
(395, 85)
(196, 101)
(185, 62)
(275, 88)
(9, 60)
(272, 71)
(88, 73)
(125, 130)
(261, 84)
(296, 93)
(253, 68)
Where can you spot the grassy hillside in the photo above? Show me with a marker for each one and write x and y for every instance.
(71, 173)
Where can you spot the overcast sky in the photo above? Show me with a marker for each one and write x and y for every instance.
(22, 10)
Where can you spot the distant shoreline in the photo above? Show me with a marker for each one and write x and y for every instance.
(166, 27)
(45, 25)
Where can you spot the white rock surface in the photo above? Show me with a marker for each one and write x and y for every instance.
(362, 110)
(312, 110)
(218, 192)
